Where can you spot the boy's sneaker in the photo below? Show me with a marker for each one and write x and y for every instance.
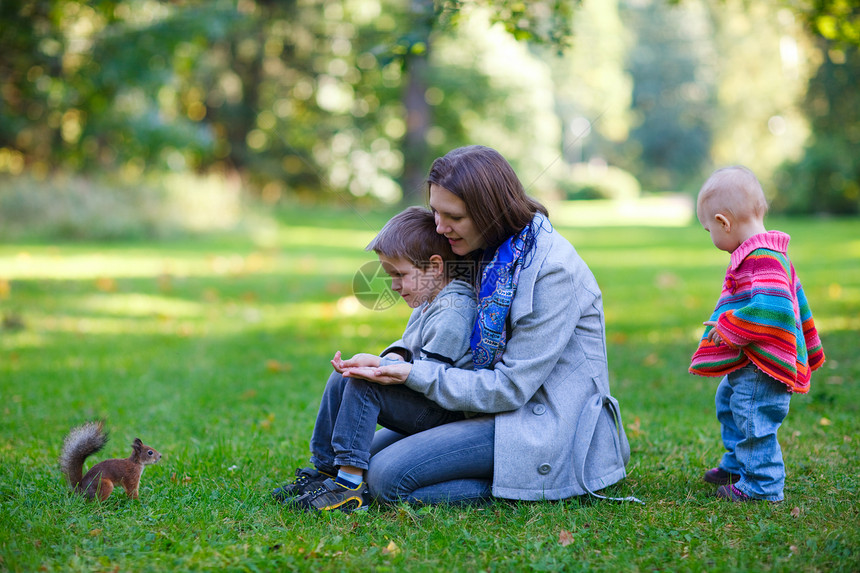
(730, 493)
(307, 479)
(719, 476)
(332, 495)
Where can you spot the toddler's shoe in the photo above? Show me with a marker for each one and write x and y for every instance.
(719, 476)
(307, 479)
(332, 495)
(730, 493)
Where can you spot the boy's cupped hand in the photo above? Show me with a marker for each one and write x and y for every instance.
(361, 360)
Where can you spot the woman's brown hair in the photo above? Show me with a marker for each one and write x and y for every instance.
(486, 183)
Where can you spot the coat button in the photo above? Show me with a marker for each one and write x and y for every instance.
(539, 409)
(544, 469)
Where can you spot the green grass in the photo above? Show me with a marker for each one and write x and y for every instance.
(216, 351)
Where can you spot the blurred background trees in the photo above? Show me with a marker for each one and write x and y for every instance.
(352, 99)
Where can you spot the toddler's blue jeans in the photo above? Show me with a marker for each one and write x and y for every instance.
(750, 407)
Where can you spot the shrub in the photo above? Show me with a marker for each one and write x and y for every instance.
(825, 180)
(79, 208)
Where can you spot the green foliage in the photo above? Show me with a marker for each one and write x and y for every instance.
(834, 20)
(215, 352)
(548, 22)
(347, 99)
(827, 178)
(298, 97)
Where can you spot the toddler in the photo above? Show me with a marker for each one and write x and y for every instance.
(761, 337)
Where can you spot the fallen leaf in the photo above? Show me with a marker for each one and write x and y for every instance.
(276, 366)
(95, 532)
(618, 338)
(825, 422)
(795, 512)
(636, 427)
(565, 538)
(391, 549)
(106, 284)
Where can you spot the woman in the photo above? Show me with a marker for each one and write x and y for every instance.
(543, 425)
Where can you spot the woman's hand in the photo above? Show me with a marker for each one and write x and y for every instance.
(358, 361)
(386, 375)
(713, 335)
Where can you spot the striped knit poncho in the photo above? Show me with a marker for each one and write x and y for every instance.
(762, 316)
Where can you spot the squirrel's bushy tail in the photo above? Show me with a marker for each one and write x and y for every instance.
(82, 442)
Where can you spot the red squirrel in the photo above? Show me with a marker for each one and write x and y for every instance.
(88, 439)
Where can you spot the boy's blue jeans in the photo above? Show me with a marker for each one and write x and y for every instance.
(750, 407)
(346, 425)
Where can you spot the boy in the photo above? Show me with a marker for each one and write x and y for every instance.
(761, 337)
(420, 263)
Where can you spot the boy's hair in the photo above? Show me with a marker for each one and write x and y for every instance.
(733, 190)
(494, 197)
(411, 235)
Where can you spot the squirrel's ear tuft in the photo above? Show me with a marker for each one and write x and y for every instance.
(137, 444)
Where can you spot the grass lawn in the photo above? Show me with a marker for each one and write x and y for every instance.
(216, 351)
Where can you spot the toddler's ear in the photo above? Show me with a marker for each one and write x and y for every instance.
(723, 222)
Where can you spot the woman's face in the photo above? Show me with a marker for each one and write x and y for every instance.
(453, 221)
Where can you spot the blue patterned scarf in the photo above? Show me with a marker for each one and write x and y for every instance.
(498, 286)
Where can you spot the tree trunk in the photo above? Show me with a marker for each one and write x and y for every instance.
(418, 112)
